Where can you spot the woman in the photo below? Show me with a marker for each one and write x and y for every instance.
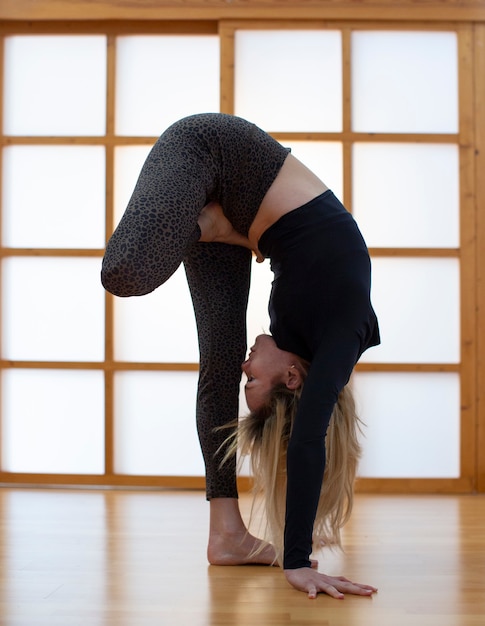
(213, 188)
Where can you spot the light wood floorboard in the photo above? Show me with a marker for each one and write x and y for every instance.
(137, 558)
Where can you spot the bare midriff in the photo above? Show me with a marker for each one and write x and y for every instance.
(294, 186)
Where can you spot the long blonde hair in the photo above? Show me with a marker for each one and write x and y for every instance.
(264, 435)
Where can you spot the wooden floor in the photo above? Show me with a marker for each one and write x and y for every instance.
(117, 558)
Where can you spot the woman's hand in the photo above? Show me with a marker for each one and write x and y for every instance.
(311, 581)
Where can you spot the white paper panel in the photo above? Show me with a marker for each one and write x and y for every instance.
(161, 79)
(257, 314)
(53, 421)
(155, 430)
(54, 196)
(407, 195)
(257, 323)
(53, 309)
(413, 424)
(404, 82)
(289, 80)
(159, 326)
(324, 158)
(55, 85)
(128, 163)
(417, 302)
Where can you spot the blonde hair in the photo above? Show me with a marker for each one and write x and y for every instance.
(264, 435)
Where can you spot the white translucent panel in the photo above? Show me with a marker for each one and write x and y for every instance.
(128, 163)
(159, 326)
(53, 421)
(160, 79)
(289, 80)
(412, 424)
(324, 158)
(54, 197)
(257, 323)
(155, 430)
(404, 82)
(53, 309)
(55, 85)
(417, 301)
(257, 313)
(407, 195)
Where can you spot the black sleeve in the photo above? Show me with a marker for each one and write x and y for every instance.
(329, 372)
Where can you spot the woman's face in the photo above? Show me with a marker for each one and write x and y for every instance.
(265, 367)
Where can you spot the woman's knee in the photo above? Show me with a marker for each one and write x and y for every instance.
(124, 278)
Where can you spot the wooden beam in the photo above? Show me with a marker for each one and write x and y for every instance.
(363, 485)
(468, 418)
(240, 9)
(480, 212)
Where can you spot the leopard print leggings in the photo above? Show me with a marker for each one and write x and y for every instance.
(219, 277)
(159, 231)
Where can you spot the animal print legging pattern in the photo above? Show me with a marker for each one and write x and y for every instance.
(218, 276)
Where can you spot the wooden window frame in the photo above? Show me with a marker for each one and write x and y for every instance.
(468, 20)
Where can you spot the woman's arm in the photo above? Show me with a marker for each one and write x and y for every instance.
(328, 374)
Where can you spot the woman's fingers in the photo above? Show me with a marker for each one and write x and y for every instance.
(357, 588)
(332, 592)
(311, 581)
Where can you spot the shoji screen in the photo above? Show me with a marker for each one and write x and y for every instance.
(92, 387)
(376, 114)
(406, 195)
(154, 416)
(102, 390)
(53, 203)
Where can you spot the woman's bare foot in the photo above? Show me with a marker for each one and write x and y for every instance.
(239, 549)
(230, 543)
(215, 227)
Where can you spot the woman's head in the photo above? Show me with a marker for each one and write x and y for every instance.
(268, 367)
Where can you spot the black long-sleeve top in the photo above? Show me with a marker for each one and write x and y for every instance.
(320, 309)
